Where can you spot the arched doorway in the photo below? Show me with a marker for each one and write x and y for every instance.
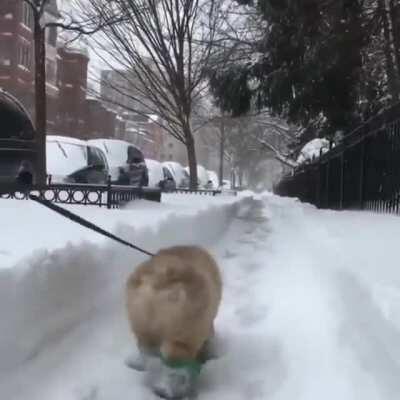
(18, 150)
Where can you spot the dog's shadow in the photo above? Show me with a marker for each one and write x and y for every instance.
(245, 367)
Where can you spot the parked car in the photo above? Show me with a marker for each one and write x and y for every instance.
(213, 180)
(179, 173)
(226, 184)
(71, 160)
(202, 176)
(159, 176)
(169, 183)
(126, 162)
(18, 147)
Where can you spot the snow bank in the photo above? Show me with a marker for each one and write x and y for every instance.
(49, 292)
(310, 309)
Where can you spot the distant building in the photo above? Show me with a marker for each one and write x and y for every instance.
(120, 89)
(115, 89)
(100, 122)
(72, 83)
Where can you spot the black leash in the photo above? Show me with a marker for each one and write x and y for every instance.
(76, 218)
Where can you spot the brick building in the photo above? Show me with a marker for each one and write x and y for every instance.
(72, 82)
(69, 111)
(17, 53)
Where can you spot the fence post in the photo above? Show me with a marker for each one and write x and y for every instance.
(109, 194)
(328, 164)
(319, 180)
(362, 174)
(341, 194)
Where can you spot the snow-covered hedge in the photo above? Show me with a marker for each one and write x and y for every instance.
(312, 150)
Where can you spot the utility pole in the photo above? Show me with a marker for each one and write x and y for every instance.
(40, 95)
(221, 149)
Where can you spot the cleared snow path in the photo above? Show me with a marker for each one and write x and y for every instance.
(311, 310)
(311, 305)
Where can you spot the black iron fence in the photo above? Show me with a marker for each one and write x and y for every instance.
(110, 196)
(362, 172)
(198, 191)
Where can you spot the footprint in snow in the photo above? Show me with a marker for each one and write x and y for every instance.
(229, 254)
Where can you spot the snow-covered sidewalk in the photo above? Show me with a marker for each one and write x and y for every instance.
(311, 310)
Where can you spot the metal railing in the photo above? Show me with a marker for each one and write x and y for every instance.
(110, 196)
(198, 191)
(362, 172)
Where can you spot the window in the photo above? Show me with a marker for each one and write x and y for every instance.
(95, 157)
(25, 56)
(134, 155)
(27, 15)
(52, 36)
(51, 71)
(170, 145)
(167, 173)
(5, 53)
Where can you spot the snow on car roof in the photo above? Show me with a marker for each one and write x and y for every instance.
(115, 142)
(65, 139)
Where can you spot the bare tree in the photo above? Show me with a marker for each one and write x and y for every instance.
(161, 51)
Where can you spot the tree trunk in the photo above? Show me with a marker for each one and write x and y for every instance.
(221, 151)
(192, 160)
(40, 98)
(240, 177)
(390, 67)
(394, 9)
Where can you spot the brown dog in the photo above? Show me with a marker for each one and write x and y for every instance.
(172, 301)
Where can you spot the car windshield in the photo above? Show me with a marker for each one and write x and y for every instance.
(65, 158)
(115, 152)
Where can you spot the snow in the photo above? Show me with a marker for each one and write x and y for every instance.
(312, 150)
(311, 304)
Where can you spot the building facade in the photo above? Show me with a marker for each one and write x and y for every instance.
(17, 53)
(72, 69)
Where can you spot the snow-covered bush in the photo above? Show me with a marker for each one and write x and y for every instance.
(312, 150)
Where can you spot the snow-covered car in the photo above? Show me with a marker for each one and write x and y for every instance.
(213, 180)
(226, 184)
(126, 162)
(202, 176)
(179, 173)
(18, 147)
(169, 183)
(159, 176)
(71, 160)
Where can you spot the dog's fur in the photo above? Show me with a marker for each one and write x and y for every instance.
(172, 301)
